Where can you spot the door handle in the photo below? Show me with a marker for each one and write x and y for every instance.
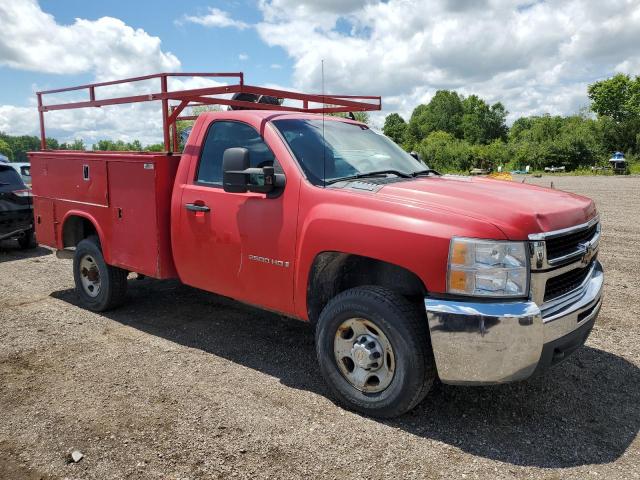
(197, 208)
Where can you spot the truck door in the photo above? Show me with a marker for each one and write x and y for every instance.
(237, 244)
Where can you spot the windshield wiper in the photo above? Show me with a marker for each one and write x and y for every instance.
(426, 171)
(376, 173)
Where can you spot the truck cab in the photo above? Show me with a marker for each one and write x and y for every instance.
(406, 275)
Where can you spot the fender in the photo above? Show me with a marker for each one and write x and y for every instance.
(415, 238)
(106, 253)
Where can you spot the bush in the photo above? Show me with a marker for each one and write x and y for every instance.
(442, 151)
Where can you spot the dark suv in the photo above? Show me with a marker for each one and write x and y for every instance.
(16, 208)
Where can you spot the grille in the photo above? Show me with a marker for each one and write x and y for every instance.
(567, 244)
(557, 286)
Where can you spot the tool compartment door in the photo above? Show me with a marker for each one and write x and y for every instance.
(44, 220)
(132, 204)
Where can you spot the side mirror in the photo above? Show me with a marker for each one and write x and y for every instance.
(416, 155)
(237, 177)
(234, 162)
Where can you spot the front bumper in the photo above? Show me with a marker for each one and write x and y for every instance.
(476, 343)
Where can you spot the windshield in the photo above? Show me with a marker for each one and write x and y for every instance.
(347, 149)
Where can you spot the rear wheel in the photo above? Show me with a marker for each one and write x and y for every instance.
(99, 286)
(27, 240)
(374, 351)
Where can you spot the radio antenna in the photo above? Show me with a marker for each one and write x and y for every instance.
(324, 145)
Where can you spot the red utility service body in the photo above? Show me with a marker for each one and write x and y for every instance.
(125, 196)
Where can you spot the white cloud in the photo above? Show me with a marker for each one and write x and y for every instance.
(300, 8)
(32, 40)
(107, 48)
(215, 18)
(88, 124)
(275, 66)
(142, 121)
(535, 57)
(18, 120)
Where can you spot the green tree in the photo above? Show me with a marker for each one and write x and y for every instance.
(557, 141)
(442, 151)
(490, 155)
(443, 113)
(117, 146)
(77, 144)
(497, 123)
(395, 127)
(183, 125)
(358, 116)
(155, 147)
(416, 128)
(482, 123)
(616, 101)
(22, 144)
(106, 145)
(5, 149)
(617, 97)
(473, 127)
(362, 117)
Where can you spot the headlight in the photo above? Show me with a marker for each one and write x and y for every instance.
(487, 268)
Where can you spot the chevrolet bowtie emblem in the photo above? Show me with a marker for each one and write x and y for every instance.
(589, 252)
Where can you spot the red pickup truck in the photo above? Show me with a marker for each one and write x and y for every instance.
(406, 274)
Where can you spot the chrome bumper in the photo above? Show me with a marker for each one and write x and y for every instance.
(486, 343)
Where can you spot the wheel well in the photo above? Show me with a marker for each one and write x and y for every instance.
(75, 229)
(335, 272)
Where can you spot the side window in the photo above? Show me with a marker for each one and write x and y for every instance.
(223, 135)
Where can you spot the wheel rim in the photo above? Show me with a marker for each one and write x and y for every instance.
(364, 355)
(90, 276)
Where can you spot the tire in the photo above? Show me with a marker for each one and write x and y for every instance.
(99, 286)
(396, 321)
(28, 240)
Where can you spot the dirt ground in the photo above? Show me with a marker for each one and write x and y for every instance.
(181, 384)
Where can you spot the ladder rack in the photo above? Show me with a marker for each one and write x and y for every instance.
(175, 101)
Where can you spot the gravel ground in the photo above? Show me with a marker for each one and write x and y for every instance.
(182, 384)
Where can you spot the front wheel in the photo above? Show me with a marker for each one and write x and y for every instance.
(374, 351)
(99, 286)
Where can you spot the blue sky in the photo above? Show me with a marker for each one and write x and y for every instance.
(199, 48)
(534, 57)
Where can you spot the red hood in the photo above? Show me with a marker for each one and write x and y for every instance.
(515, 208)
